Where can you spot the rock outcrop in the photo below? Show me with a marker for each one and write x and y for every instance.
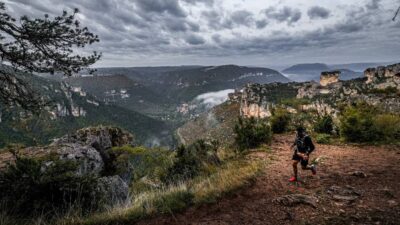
(374, 74)
(380, 88)
(258, 100)
(255, 110)
(384, 77)
(328, 78)
(87, 148)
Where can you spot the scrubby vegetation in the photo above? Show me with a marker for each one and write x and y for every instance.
(251, 133)
(323, 138)
(280, 121)
(324, 125)
(160, 181)
(191, 161)
(295, 102)
(365, 123)
(27, 188)
(386, 91)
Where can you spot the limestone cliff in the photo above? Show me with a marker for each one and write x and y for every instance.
(328, 78)
(383, 77)
(325, 97)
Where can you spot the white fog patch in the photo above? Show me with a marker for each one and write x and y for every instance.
(211, 99)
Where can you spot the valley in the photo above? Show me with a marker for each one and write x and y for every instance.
(199, 112)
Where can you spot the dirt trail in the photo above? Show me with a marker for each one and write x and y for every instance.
(378, 201)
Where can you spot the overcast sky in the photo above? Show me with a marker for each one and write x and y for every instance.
(244, 32)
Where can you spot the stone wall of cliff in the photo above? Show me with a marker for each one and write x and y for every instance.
(325, 97)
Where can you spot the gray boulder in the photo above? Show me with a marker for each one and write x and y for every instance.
(101, 138)
(114, 190)
(88, 158)
(88, 148)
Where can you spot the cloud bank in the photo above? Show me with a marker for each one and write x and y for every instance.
(247, 32)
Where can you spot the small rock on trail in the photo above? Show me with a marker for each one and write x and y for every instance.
(359, 174)
(347, 194)
(296, 199)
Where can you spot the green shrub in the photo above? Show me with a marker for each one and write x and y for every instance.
(27, 188)
(134, 163)
(323, 138)
(324, 125)
(365, 123)
(251, 133)
(301, 119)
(191, 161)
(357, 124)
(295, 102)
(389, 126)
(280, 121)
(386, 91)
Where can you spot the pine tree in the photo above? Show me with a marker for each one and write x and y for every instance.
(41, 45)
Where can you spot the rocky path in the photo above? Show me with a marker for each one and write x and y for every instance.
(354, 185)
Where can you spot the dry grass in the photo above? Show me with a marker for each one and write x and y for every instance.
(231, 176)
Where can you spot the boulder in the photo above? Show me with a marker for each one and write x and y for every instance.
(88, 158)
(101, 138)
(114, 190)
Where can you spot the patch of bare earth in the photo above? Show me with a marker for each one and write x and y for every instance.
(354, 185)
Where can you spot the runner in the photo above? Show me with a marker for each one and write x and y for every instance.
(303, 146)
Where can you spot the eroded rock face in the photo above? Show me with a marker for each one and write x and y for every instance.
(255, 110)
(328, 78)
(377, 74)
(321, 108)
(308, 90)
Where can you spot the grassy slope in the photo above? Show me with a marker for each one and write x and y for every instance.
(233, 175)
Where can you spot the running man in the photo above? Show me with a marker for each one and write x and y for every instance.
(303, 146)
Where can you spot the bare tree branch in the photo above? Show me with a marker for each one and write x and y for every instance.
(395, 15)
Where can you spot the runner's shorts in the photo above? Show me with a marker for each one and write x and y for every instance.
(301, 160)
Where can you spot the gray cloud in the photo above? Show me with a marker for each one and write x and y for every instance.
(373, 5)
(242, 17)
(160, 6)
(285, 14)
(216, 38)
(213, 18)
(207, 2)
(260, 24)
(194, 39)
(318, 12)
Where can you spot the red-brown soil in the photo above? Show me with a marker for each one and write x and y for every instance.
(379, 202)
